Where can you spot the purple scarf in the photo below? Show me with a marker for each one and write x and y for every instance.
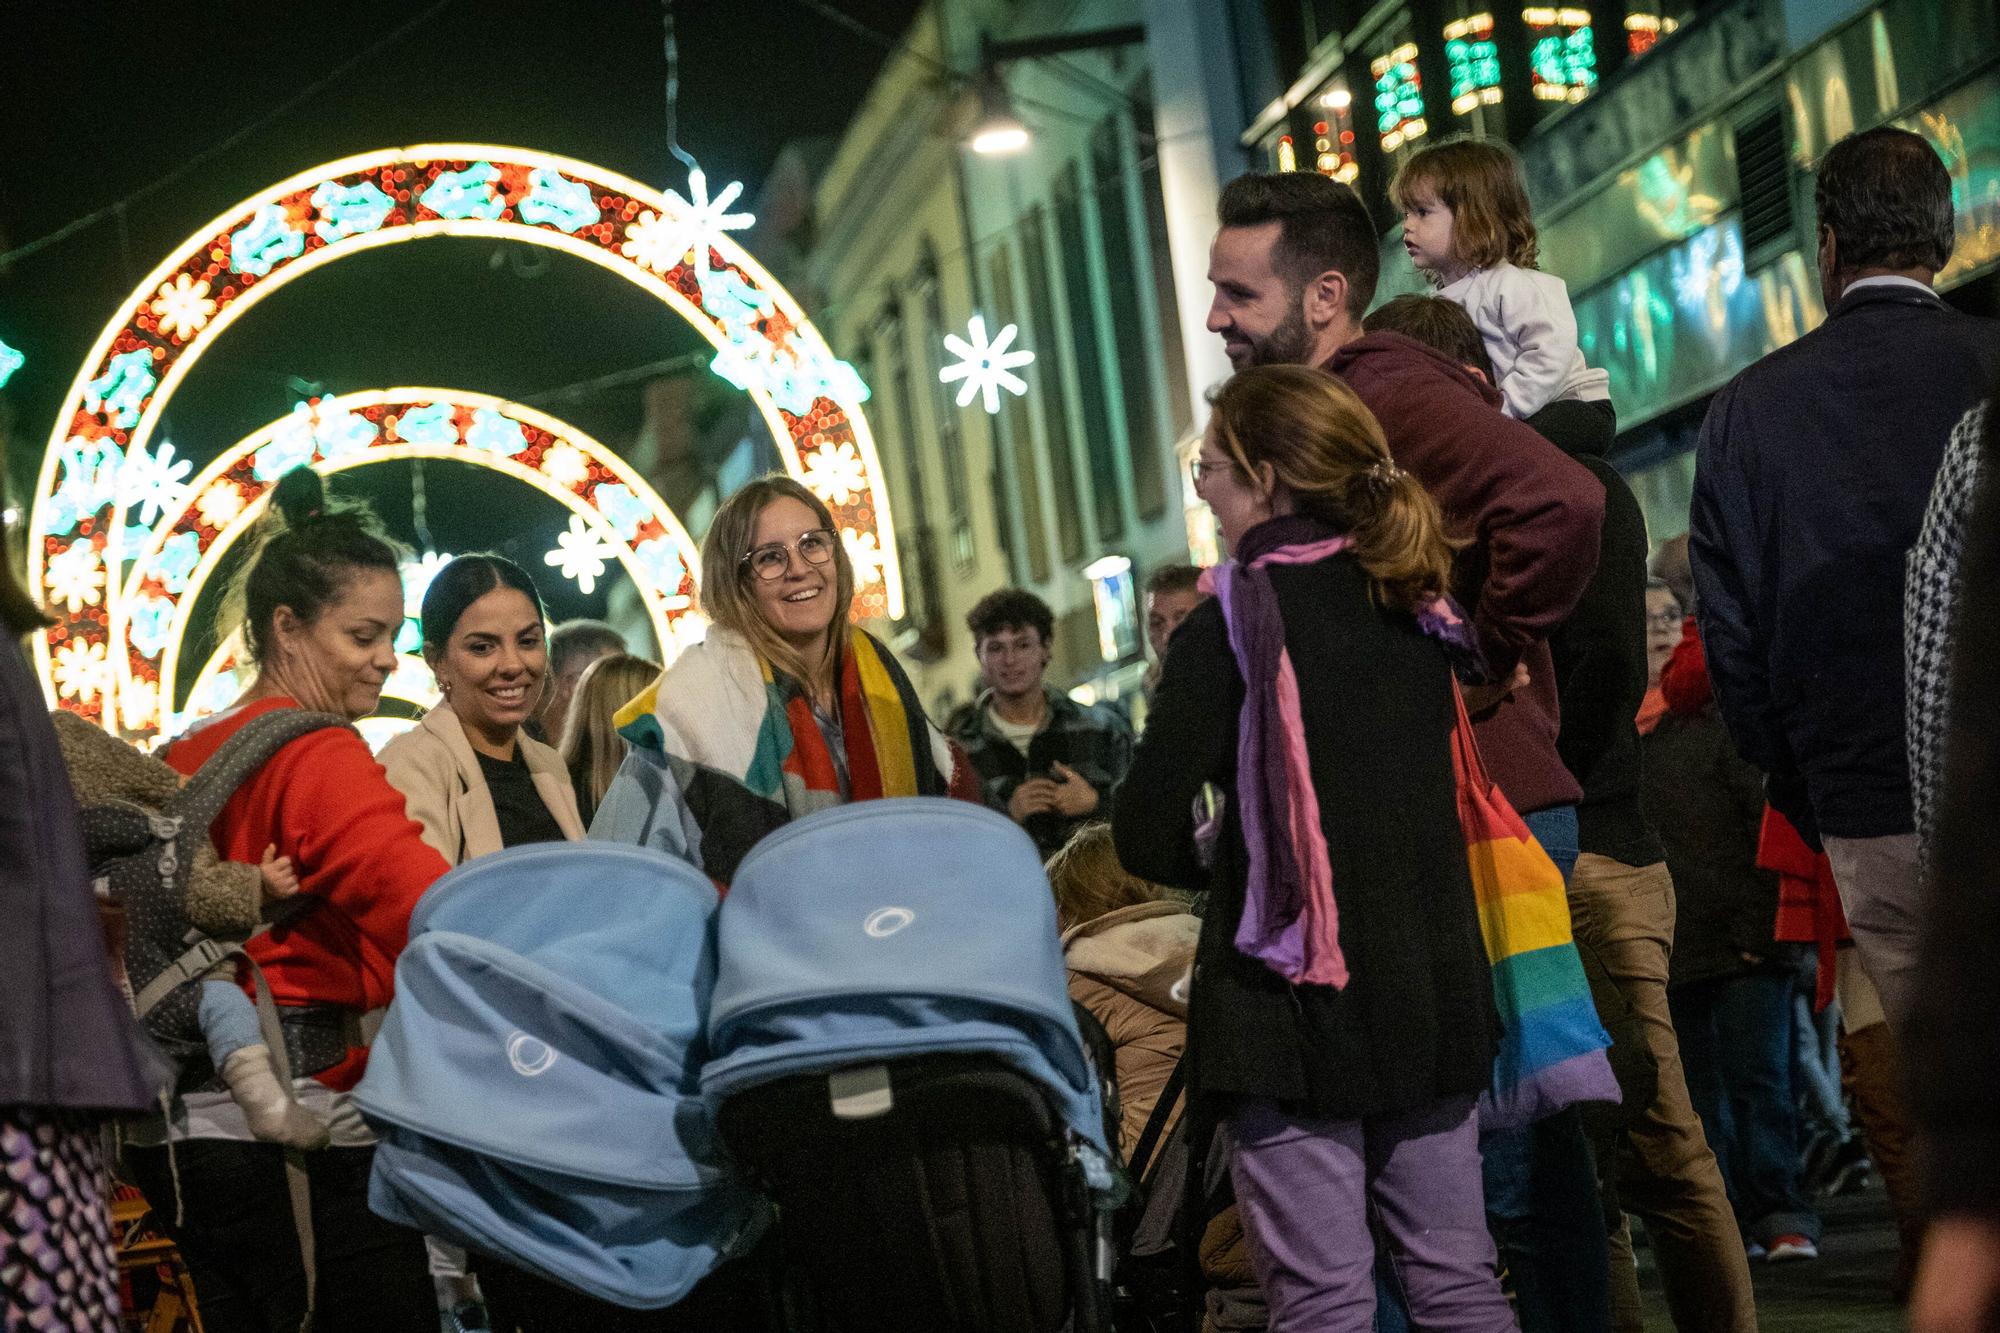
(1290, 923)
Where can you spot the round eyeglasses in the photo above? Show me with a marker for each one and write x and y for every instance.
(770, 561)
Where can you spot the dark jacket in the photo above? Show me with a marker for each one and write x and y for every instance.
(1415, 1021)
(1707, 805)
(1534, 518)
(1954, 1045)
(1600, 663)
(1095, 741)
(67, 1038)
(1811, 478)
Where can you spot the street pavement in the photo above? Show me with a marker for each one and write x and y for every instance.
(1845, 1290)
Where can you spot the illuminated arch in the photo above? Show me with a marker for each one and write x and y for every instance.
(674, 250)
(187, 546)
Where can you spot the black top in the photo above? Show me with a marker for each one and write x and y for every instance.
(1600, 662)
(1415, 1021)
(523, 815)
(1811, 478)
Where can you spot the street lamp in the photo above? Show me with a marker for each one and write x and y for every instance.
(999, 131)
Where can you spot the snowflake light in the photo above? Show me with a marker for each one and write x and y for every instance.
(80, 669)
(264, 242)
(581, 555)
(89, 475)
(660, 242)
(417, 576)
(149, 623)
(75, 576)
(986, 367)
(459, 195)
(623, 510)
(430, 424)
(11, 360)
(836, 473)
(154, 483)
(339, 434)
(176, 561)
(183, 306)
(495, 433)
(138, 701)
(565, 465)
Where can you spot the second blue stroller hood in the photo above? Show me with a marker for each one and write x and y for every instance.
(895, 928)
(534, 1082)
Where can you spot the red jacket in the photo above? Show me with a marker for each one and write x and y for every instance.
(325, 803)
(1534, 515)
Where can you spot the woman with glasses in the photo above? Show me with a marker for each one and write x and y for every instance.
(787, 707)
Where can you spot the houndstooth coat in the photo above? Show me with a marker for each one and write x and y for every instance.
(1930, 598)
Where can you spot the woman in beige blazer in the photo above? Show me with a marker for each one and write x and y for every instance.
(469, 773)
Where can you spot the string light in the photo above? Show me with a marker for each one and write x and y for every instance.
(811, 400)
(11, 360)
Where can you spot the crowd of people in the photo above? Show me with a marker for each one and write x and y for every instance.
(1778, 884)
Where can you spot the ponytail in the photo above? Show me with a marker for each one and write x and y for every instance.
(1399, 538)
(306, 547)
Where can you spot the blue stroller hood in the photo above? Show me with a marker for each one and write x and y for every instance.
(533, 1084)
(895, 928)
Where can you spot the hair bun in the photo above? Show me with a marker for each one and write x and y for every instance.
(299, 495)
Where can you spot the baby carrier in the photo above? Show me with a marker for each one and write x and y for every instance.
(893, 1057)
(145, 859)
(533, 1085)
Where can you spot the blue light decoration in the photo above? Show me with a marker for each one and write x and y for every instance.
(149, 622)
(1562, 59)
(430, 424)
(556, 201)
(176, 561)
(121, 391)
(289, 448)
(986, 367)
(1474, 59)
(342, 434)
(11, 360)
(459, 195)
(623, 510)
(265, 241)
(702, 219)
(496, 433)
(734, 302)
(349, 210)
(153, 484)
(1399, 98)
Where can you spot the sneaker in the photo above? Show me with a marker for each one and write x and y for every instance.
(1786, 1249)
(1848, 1172)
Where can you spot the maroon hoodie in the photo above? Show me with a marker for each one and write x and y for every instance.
(1534, 517)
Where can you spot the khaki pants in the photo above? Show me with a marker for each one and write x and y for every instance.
(1877, 879)
(1666, 1172)
(1872, 1075)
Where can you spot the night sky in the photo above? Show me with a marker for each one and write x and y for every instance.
(98, 99)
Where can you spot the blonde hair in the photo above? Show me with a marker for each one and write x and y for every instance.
(1479, 180)
(1327, 449)
(1088, 881)
(726, 597)
(591, 747)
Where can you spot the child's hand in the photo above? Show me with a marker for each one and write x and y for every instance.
(280, 880)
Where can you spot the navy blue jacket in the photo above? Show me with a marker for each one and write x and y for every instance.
(1811, 479)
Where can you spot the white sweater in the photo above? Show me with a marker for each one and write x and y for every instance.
(1525, 319)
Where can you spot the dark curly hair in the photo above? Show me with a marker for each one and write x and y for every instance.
(1011, 608)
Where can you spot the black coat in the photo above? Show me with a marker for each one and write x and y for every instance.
(1600, 661)
(1707, 805)
(67, 1038)
(1415, 1021)
(1811, 478)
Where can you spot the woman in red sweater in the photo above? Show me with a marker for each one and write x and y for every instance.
(322, 603)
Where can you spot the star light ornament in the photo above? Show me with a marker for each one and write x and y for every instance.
(986, 367)
(581, 555)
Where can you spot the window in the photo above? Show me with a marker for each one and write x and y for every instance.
(1473, 58)
(1180, 402)
(1129, 319)
(951, 444)
(1048, 385)
(1100, 446)
(1562, 55)
(1020, 437)
(1399, 97)
(1332, 110)
(915, 547)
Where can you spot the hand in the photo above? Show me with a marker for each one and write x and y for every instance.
(1485, 698)
(1036, 796)
(1958, 1286)
(1075, 797)
(280, 880)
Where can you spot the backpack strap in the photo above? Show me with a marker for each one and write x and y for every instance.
(239, 759)
(296, 1181)
(1156, 1123)
(204, 954)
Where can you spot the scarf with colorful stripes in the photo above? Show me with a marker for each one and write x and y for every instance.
(1290, 922)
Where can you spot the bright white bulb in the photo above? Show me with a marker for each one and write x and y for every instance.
(1000, 137)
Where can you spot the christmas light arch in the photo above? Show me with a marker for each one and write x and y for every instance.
(186, 547)
(675, 249)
